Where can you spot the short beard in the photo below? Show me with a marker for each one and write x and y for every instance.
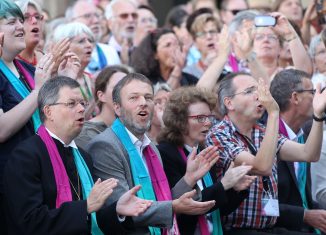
(134, 128)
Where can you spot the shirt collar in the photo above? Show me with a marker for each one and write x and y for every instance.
(189, 148)
(137, 142)
(291, 134)
(72, 143)
(113, 42)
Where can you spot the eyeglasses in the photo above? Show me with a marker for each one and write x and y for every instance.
(37, 17)
(270, 37)
(149, 20)
(248, 91)
(125, 16)
(312, 91)
(203, 34)
(203, 118)
(72, 104)
(89, 16)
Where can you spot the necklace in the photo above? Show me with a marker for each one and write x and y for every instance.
(77, 192)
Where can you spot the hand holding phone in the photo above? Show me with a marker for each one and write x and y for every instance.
(265, 21)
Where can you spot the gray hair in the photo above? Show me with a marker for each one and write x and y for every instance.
(110, 6)
(49, 92)
(71, 30)
(226, 89)
(23, 5)
(116, 93)
(236, 23)
(313, 45)
(283, 85)
(160, 86)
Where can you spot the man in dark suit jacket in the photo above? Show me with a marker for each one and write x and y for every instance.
(32, 199)
(133, 104)
(293, 91)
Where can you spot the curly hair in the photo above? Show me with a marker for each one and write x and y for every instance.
(175, 116)
(142, 58)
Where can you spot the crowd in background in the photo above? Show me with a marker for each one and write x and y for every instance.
(212, 123)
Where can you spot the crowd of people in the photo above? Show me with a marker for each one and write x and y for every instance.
(212, 123)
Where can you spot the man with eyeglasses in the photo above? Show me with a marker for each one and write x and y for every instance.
(293, 91)
(229, 8)
(103, 55)
(122, 19)
(240, 138)
(48, 182)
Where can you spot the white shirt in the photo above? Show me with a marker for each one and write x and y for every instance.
(139, 145)
(294, 137)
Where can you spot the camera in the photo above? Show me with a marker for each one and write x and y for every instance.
(265, 21)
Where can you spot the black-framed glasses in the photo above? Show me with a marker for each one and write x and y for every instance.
(72, 104)
(203, 118)
(248, 91)
(312, 91)
(234, 11)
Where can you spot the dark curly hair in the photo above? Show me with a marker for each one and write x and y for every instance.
(142, 58)
(175, 116)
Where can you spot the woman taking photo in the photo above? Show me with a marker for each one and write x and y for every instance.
(187, 118)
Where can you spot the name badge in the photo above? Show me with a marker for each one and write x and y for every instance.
(270, 207)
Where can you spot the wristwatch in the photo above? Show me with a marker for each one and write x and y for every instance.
(317, 119)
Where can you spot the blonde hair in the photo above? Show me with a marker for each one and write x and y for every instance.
(200, 22)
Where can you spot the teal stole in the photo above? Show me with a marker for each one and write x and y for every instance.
(21, 89)
(138, 170)
(87, 183)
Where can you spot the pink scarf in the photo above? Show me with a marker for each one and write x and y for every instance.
(26, 74)
(59, 170)
(159, 182)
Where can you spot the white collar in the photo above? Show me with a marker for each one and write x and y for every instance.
(113, 43)
(137, 142)
(72, 143)
(291, 134)
(189, 148)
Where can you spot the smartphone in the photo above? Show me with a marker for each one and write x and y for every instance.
(265, 21)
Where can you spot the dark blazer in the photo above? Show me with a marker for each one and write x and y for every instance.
(30, 193)
(290, 201)
(175, 169)
(291, 206)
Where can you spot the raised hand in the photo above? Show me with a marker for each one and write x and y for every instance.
(59, 50)
(131, 205)
(43, 70)
(186, 205)
(235, 177)
(198, 165)
(265, 98)
(243, 40)
(100, 192)
(283, 27)
(319, 102)
(1, 43)
(70, 66)
(224, 42)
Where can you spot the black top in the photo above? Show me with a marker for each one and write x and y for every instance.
(30, 193)
(186, 79)
(9, 98)
(175, 169)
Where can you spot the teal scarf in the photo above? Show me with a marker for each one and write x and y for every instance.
(139, 172)
(21, 89)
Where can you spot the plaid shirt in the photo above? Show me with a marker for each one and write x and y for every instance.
(230, 143)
